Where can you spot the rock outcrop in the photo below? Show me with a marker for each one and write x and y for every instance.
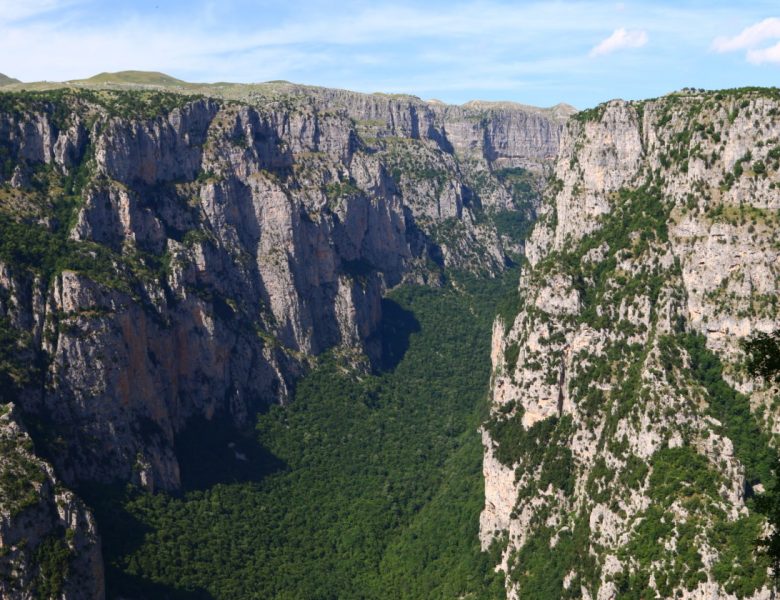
(621, 447)
(49, 545)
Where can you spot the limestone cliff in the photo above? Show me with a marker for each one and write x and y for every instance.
(165, 257)
(621, 448)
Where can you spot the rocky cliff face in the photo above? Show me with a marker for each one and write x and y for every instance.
(49, 546)
(622, 448)
(165, 257)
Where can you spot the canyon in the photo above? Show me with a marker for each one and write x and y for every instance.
(182, 255)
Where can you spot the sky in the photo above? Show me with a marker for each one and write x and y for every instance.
(541, 53)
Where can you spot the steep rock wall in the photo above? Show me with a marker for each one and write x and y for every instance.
(165, 257)
(614, 451)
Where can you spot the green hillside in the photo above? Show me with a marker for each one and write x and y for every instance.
(6, 80)
(133, 77)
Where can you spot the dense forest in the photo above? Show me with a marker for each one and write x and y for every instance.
(366, 485)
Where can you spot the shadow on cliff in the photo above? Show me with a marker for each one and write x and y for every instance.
(393, 333)
(216, 451)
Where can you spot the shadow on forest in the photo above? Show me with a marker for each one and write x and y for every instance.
(393, 333)
(209, 452)
(216, 451)
(123, 534)
(131, 587)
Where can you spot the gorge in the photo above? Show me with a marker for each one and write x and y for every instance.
(247, 343)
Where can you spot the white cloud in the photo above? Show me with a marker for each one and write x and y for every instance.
(765, 55)
(620, 39)
(750, 37)
(14, 10)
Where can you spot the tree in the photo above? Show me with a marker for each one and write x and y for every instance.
(763, 360)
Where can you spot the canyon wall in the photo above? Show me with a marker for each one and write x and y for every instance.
(624, 439)
(165, 258)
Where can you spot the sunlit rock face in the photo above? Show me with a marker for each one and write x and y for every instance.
(655, 252)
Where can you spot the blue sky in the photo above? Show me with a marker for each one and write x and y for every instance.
(540, 53)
